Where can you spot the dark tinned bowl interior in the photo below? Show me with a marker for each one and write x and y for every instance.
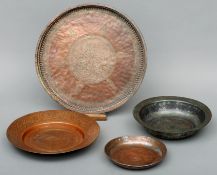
(172, 116)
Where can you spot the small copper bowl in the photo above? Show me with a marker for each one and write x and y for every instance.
(135, 152)
(53, 132)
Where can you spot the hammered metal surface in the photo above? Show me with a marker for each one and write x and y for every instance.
(91, 59)
(172, 117)
(135, 152)
(53, 132)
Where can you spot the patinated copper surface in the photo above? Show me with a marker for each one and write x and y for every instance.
(135, 152)
(172, 117)
(53, 132)
(91, 59)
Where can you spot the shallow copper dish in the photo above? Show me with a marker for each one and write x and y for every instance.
(135, 152)
(91, 59)
(172, 117)
(53, 132)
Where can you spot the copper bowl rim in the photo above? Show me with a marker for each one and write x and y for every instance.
(149, 101)
(54, 95)
(163, 150)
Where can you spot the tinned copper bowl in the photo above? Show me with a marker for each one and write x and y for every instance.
(172, 117)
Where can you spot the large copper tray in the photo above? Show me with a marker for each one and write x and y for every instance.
(53, 132)
(91, 59)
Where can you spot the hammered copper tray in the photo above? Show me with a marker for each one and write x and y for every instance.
(53, 132)
(135, 152)
(91, 59)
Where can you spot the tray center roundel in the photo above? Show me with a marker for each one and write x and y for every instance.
(92, 59)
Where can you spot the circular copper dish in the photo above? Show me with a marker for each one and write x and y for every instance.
(91, 59)
(53, 132)
(135, 152)
(172, 117)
